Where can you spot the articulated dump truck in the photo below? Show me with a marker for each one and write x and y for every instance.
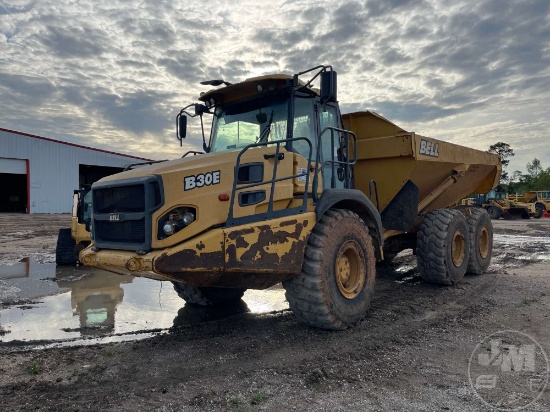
(289, 190)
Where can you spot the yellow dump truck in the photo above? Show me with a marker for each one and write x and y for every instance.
(289, 190)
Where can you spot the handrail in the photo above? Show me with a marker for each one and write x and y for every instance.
(346, 163)
(371, 184)
(132, 165)
(270, 214)
(194, 152)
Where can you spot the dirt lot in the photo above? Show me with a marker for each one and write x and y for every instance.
(412, 351)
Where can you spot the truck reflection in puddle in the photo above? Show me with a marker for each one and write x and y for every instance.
(36, 305)
(194, 314)
(94, 300)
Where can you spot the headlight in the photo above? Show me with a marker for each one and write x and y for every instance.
(175, 220)
(169, 228)
(188, 218)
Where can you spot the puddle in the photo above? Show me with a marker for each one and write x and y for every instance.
(47, 305)
(511, 251)
(67, 305)
(405, 268)
(410, 280)
(518, 250)
(519, 240)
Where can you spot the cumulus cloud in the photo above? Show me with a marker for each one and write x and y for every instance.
(114, 74)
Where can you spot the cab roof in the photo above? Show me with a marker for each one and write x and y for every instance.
(255, 86)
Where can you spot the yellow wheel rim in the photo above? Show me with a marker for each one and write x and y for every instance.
(484, 242)
(458, 248)
(349, 270)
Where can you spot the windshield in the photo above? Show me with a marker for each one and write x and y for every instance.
(87, 207)
(238, 125)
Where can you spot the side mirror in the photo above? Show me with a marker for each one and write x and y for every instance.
(181, 125)
(328, 86)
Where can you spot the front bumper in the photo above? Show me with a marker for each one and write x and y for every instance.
(253, 256)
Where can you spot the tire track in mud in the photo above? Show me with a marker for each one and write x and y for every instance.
(278, 341)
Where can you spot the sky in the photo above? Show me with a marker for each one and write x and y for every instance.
(114, 74)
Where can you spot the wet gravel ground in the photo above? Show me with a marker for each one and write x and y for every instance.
(412, 352)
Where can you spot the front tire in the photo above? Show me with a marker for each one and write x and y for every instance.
(480, 230)
(335, 287)
(540, 211)
(443, 247)
(494, 212)
(205, 296)
(65, 248)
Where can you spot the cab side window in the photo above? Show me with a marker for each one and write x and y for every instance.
(328, 117)
(304, 126)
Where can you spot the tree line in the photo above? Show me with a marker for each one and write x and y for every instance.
(536, 178)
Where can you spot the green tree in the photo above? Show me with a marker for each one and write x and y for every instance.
(534, 168)
(515, 183)
(516, 176)
(505, 152)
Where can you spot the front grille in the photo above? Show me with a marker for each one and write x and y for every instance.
(132, 231)
(122, 213)
(121, 199)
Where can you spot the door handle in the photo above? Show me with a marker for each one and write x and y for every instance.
(280, 156)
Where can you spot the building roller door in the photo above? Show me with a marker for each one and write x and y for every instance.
(13, 185)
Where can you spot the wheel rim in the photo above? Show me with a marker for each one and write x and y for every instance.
(458, 249)
(484, 242)
(350, 275)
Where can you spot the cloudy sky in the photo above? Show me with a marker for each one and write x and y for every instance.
(114, 74)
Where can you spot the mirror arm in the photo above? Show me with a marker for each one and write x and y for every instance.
(205, 147)
(310, 81)
(199, 111)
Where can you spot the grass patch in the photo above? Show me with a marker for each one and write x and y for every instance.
(258, 399)
(526, 302)
(236, 400)
(34, 369)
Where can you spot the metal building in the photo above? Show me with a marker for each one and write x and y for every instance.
(39, 175)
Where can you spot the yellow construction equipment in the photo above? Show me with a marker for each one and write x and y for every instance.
(538, 201)
(503, 205)
(289, 190)
(71, 241)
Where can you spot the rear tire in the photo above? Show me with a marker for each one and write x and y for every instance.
(540, 211)
(335, 287)
(443, 247)
(494, 212)
(205, 296)
(65, 249)
(480, 230)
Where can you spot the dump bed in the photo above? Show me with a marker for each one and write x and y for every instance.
(413, 174)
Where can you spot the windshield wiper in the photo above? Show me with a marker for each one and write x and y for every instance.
(265, 133)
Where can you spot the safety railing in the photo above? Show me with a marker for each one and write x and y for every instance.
(277, 156)
(340, 164)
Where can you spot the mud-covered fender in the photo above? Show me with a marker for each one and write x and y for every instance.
(356, 201)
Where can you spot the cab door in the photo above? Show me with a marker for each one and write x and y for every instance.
(333, 148)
